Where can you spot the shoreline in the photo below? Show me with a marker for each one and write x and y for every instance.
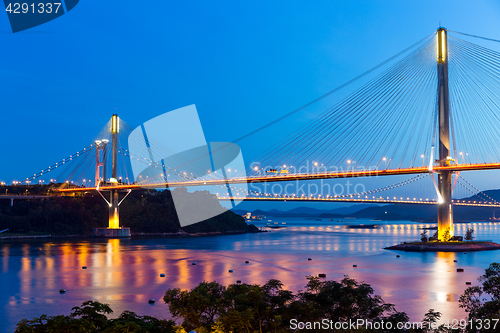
(181, 234)
(445, 247)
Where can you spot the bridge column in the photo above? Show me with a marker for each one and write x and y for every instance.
(114, 229)
(100, 161)
(11, 202)
(445, 205)
(114, 216)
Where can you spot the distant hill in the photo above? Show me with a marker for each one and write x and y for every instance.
(413, 212)
(308, 211)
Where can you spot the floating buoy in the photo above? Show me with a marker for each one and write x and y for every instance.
(309, 259)
(194, 264)
(354, 265)
(230, 271)
(398, 256)
(460, 270)
(455, 260)
(247, 262)
(62, 291)
(152, 301)
(239, 281)
(162, 275)
(322, 275)
(84, 267)
(468, 283)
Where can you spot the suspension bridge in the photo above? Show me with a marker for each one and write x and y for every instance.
(431, 112)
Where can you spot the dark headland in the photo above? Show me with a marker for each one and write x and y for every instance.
(148, 213)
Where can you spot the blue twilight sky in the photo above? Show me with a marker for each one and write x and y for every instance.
(243, 63)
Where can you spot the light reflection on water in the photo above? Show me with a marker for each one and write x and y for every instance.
(126, 273)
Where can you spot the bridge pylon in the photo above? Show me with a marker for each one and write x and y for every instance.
(445, 204)
(114, 229)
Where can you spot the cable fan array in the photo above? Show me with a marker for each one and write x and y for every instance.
(391, 121)
(402, 191)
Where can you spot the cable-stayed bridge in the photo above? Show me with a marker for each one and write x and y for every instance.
(432, 111)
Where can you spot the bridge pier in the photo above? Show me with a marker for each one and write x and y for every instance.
(445, 207)
(11, 202)
(114, 215)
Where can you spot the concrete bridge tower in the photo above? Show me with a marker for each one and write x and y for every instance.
(445, 204)
(114, 229)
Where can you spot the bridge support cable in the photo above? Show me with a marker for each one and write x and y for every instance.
(375, 122)
(373, 69)
(475, 100)
(58, 164)
(389, 192)
(476, 190)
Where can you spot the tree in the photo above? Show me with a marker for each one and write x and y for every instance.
(93, 312)
(483, 302)
(346, 300)
(469, 234)
(91, 317)
(270, 308)
(255, 308)
(59, 323)
(131, 322)
(198, 307)
(446, 235)
(431, 318)
(423, 236)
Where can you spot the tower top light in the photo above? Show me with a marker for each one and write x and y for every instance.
(115, 124)
(441, 45)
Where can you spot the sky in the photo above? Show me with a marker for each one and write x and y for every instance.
(243, 63)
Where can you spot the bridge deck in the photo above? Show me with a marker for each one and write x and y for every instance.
(363, 200)
(294, 177)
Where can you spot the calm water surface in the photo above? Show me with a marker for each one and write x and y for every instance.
(126, 272)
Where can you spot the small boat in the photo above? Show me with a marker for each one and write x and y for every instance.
(318, 219)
